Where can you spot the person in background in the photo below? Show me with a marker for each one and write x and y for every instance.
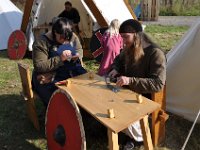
(141, 67)
(112, 44)
(72, 14)
(48, 63)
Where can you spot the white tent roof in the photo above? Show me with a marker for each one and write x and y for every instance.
(43, 11)
(183, 83)
(113, 10)
(48, 9)
(10, 20)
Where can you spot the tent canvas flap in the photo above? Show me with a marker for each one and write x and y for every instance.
(10, 18)
(183, 96)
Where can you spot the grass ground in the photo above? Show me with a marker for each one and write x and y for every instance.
(17, 133)
(180, 8)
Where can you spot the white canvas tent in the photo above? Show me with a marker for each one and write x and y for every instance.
(10, 20)
(43, 11)
(183, 84)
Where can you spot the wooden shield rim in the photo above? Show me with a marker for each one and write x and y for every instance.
(78, 115)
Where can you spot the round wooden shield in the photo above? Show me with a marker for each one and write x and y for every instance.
(64, 127)
(17, 45)
(95, 44)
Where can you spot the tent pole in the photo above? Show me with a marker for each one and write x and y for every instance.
(130, 9)
(26, 15)
(190, 131)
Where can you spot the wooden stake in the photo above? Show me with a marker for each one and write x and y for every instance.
(91, 75)
(68, 82)
(111, 113)
(139, 98)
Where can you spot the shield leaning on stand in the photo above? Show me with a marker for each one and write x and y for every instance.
(64, 126)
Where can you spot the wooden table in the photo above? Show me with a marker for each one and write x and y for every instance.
(93, 95)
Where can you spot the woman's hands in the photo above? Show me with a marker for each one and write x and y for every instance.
(66, 55)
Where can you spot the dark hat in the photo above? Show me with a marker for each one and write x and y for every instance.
(130, 26)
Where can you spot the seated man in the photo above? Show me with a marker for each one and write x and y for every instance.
(141, 66)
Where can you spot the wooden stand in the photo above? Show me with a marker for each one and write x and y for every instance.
(28, 94)
(112, 140)
(159, 118)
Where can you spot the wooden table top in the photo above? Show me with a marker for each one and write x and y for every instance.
(94, 96)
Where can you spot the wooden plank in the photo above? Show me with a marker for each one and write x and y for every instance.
(93, 95)
(158, 127)
(146, 10)
(28, 94)
(146, 133)
(155, 10)
(149, 9)
(26, 15)
(96, 12)
(26, 80)
(112, 140)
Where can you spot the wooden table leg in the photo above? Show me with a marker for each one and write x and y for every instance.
(112, 140)
(146, 133)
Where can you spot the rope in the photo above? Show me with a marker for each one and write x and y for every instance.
(190, 131)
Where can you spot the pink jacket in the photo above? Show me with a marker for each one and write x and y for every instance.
(112, 46)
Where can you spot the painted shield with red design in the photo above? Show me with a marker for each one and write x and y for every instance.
(95, 44)
(64, 126)
(17, 45)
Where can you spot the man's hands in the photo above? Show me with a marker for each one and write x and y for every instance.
(113, 73)
(122, 80)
